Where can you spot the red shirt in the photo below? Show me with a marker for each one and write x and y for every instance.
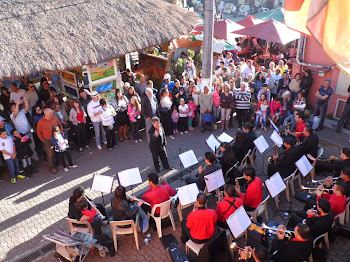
(169, 189)
(156, 195)
(224, 209)
(338, 203)
(202, 223)
(253, 194)
(90, 213)
(299, 128)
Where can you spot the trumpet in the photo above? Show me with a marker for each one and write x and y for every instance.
(330, 159)
(288, 233)
(324, 180)
(94, 207)
(313, 190)
(238, 178)
(246, 252)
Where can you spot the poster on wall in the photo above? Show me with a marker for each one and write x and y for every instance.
(153, 67)
(69, 83)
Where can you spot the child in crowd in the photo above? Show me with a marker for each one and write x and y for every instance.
(8, 150)
(61, 145)
(183, 113)
(261, 114)
(175, 119)
(94, 219)
(191, 113)
(253, 109)
(23, 151)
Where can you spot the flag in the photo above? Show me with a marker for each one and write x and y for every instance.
(296, 13)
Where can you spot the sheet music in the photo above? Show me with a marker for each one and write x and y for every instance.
(212, 142)
(261, 144)
(275, 184)
(225, 138)
(130, 177)
(214, 180)
(238, 222)
(303, 165)
(188, 194)
(102, 183)
(276, 138)
(274, 126)
(188, 159)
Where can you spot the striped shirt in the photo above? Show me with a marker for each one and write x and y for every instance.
(242, 99)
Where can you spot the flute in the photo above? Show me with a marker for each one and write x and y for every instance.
(94, 207)
(137, 199)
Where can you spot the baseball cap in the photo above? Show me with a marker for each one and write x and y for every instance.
(2, 119)
(167, 76)
(126, 84)
(94, 94)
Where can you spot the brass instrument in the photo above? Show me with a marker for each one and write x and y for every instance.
(288, 233)
(313, 190)
(330, 159)
(94, 207)
(238, 178)
(271, 160)
(246, 252)
(324, 180)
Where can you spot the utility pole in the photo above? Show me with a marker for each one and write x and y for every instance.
(208, 34)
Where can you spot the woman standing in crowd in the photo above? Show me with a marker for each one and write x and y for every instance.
(77, 116)
(237, 78)
(61, 115)
(294, 86)
(306, 82)
(183, 116)
(107, 118)
(216, 104)
(226, 100)
(165, 112)
(131, 92)
(134, 110)
(37, 114)
(259, 81)
(122, 115)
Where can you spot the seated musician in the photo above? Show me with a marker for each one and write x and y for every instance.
(345, 176)
(249, 137)
(334, 164)
(310, 143)
(297, 249)
(200, 223)
(285, 164)
(299, 126)
(211, 166)
(228, 158)
(319, 221)
(227, 206)
(253, 195)
(258, 254)
(156, 194)
(94, 219)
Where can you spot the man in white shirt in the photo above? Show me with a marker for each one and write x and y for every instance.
(249, 69)
(16, 94)
(21, 123)
(94, 111)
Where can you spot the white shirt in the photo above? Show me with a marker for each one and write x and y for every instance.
(7, 145)
(183, 108)
(15, 96)
(21, 122)
(107, 116)
(93, 108)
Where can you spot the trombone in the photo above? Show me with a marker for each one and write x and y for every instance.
(288, 233)
(240, 250)
(324, 180)
(313, 190)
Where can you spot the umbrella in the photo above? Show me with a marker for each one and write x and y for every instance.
(219, 45)
(223, 28)
(276, 14)
(271, 31)
(249, 21)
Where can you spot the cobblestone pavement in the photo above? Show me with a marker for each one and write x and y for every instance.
(37, 206)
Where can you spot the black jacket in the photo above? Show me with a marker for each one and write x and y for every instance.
(286, 162)
(123, 211)
(310, 145)
(239, 150)
(320, 225)
(249, 141)
(146, 108)
(281, 83)
(22, 148)
(157, 144)
(73, 212)
(293, 251)
(306, 83)
(207, 170)
(335, 167)
(226, 162)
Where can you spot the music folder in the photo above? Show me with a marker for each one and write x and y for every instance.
(214, 180)
(130, 177)
(261, 144)
(188, 159)
(102, 183)
(276, 138)
(304, 165)
(238, 222)
(212, 142)
(275, 185)
(225, 138)
(187, 194)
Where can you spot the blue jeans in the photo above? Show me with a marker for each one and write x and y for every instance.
(13, 166)
(98, 128)
(262, 118)
(96, 224)
(216, 113)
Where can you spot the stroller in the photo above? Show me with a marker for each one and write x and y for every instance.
(75, 247)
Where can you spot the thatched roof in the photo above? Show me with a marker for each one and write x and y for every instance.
(53, 35)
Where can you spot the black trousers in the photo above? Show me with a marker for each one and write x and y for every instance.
(61, 155)
(110, 136)
(296, 218)
(272, 168)
(81, 135)
(163, 157)
(186, 235)
(135, 129)
(242, 116)
(183, 124)
(344, 120)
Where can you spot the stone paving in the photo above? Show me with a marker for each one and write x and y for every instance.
(37, 206)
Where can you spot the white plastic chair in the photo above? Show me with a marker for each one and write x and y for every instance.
(296, 175)
(196, 248)
(251, 157)
(180, 207)
(244, 161)
(165, 211)
(326, 240)
(87, 226)
(262, 207)
(347, 210)
(286, 181)
(319, 154)
(117, 229)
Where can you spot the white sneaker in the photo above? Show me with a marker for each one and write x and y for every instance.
(65, 169)
(140, 140)
(99, 147)
(136, 141)
(186, 132)
(87, 147)
(105, 142)
(73, 166)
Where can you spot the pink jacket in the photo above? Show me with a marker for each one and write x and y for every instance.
(216, 98)
(136, 113)
(274, 107)
(192, 107)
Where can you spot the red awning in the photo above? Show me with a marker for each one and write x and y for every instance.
(223, 29)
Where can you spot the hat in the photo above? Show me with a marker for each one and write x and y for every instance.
(2, 119)
(126, 84)
(94, 94)
(167, 76)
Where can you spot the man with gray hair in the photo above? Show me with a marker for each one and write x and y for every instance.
(157, 144)
(242, 98)
(323, 94)
(149, 108)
